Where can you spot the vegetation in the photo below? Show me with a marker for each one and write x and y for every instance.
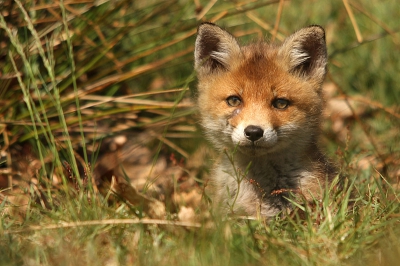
(102, 161)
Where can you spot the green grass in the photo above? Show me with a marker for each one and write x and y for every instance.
(74, 76)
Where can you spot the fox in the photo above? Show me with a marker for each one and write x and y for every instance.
(261, 107)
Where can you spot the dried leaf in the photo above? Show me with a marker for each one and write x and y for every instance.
(154, 208)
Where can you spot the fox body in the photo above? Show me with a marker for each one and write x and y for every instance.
(261, 106)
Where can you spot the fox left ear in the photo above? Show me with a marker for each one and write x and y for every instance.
(305, 54)
(215, 49)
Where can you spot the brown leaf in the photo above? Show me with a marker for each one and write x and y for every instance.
(186, 214)
(154, 208)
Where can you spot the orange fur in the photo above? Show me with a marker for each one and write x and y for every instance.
(264, 101)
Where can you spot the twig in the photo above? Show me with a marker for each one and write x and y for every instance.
(278, 19)
(373, 104)
(251, 15)
(353, 21)
(206, 9)
(170, 144)
(377, 21)
(369, 39)
(8, 156)
(101, 222)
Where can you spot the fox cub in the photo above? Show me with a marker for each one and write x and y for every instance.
(261, 106)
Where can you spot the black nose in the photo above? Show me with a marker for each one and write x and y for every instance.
(253, 133)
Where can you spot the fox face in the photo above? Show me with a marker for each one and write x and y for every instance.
(260, 98)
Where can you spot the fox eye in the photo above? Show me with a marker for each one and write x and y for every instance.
(233, 101)
(280, 103)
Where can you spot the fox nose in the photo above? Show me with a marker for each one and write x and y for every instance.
(253, 133)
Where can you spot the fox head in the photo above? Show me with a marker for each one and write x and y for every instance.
(261, 98)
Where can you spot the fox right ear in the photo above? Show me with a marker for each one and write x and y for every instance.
(214, 49)
(305, 53)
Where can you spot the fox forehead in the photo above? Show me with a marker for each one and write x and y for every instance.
(258, 76)
(258, 61)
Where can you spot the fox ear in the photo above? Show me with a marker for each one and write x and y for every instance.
(304, 53)
(215, 49)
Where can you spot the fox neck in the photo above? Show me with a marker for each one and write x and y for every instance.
(275, 171)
